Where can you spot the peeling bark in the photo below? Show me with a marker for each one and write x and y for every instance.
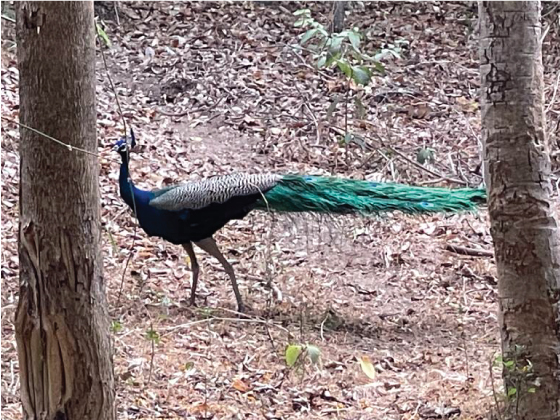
(523, 224)
(62, 327)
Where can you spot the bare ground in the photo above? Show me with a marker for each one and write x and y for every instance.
(383, 288)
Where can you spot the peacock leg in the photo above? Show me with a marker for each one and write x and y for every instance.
(195, 269)
(209, 245)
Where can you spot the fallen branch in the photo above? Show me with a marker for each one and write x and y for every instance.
(463, 250)
(188, 325)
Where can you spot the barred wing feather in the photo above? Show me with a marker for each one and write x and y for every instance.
(199, 194)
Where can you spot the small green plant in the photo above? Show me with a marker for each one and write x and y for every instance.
(519, 375)
(188, 366)
(426, 155)
(102, 34)
(298, 354)
(341, 50)
(153, 336)
(116, 326)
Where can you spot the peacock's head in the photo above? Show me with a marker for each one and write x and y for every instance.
(125, 144)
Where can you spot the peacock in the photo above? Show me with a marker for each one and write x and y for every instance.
(192, 212)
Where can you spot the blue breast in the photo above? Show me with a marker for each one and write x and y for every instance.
(171, 226)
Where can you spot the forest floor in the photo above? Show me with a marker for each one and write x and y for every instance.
(383, 289)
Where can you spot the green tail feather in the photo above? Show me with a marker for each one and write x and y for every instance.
(343, 196)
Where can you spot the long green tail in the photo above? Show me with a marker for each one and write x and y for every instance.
(343, 196)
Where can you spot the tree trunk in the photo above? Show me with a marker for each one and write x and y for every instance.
(523, 225)
(339, 8)
(62, 327)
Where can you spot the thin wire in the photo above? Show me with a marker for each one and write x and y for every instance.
(111, 82)
(68, 146)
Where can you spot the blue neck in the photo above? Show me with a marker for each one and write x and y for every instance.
(174, 227)
(126, 186)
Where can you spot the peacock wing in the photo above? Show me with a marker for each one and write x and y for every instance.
(161, 191)
(219, 189)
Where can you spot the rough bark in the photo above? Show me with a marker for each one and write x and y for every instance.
(62, 327)
(523, 224)
(339, 9)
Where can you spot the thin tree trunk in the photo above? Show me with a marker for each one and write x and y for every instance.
(339, 9)
(523, 225)
(62, 328)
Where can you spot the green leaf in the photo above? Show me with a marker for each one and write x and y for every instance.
(152, 335)
(378, 67)
(426, 155)
(509, 364)
(308, 35)
(103, 35)
(375, 62)
(302, 12)
(323, 31)
(314, 354)
(116, 326)
(188, 366)
(316, 25)
(356, 55)
(292, 353)
(348, 138)
(385, 53)
(321, 62)
(379, 56)
(354, 39)
(511, 392)
(361, 75)
(344, 68)
(331, 58)
(531, 390)
(335, 45)
(368, 57)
